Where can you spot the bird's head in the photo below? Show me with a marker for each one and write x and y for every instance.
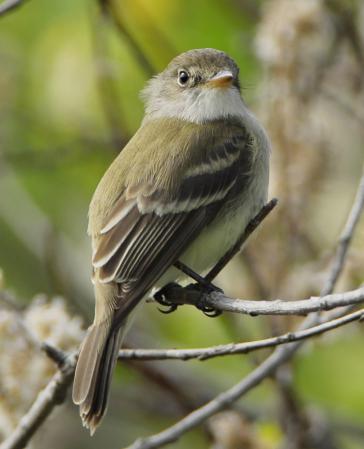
(198, 85)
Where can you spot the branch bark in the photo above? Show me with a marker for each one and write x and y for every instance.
(239, 348)
(345, 239)
(216, 300)
(108, 10)
(9, 5)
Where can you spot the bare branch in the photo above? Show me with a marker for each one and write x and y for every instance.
(252, 226)
(9, 5)
(267, 368)
(54, 393)
(106, 82)
(223, 400)
(346, 106)
(345, 239)
(238, 348)
(144, 62)
(226, 258)
(216, 300)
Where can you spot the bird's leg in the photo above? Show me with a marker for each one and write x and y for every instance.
(203, 286)
(172, 295)
(204, 283)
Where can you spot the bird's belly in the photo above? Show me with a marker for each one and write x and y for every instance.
(213, 242)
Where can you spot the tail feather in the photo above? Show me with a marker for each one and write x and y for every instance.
(88, 358)
(95, 365)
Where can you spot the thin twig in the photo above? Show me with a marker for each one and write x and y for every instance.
(293, 419)
(266, 369)
(55, 390)
(225, 259)
(143, 61)
(106, 83)
(238, 348)
(345, 239)
(192, 274)
(346, 17)
(170, 385)
(223, 400)
(219, 403)
(252, 265)
(252, 226)
(216, 300)
(9, 5)
(344, 104)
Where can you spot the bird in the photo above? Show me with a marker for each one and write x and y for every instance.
(183, 188)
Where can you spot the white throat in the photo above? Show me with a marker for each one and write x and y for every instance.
(200, 106)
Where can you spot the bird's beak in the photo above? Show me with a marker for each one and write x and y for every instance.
(223, 78)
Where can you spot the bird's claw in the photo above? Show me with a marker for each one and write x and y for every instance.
(170, 308)
(161, 295)
(209, 311)
(204, 289)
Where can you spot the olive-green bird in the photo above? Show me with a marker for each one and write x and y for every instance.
(183, 188)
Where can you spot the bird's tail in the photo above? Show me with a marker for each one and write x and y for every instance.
(95, 365)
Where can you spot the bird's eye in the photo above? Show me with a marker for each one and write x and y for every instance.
(183, 77)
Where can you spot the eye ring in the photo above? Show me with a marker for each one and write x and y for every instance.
(183, 77)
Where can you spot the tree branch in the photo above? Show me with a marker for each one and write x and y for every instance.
(216, 300)
(252, 226)
(226, 258)
(144, 62)
(267, 367)
(54, 393)
(185, 295)
(345, 239)
(239, 348)
(223, 400)
(9, 5)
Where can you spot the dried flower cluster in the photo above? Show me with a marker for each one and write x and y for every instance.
(230, 430)
(24, 369)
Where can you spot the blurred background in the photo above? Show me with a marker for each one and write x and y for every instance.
(70, 75)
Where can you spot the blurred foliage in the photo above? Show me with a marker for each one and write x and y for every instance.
(70, 74)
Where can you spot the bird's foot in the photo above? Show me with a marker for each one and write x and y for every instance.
(161, 297)
(204, 290)
(170, 295)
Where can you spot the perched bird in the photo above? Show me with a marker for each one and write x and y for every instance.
(183, 188)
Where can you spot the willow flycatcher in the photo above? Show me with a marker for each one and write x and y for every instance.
(183, 188)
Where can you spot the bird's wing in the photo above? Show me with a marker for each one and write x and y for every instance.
(149, 227)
